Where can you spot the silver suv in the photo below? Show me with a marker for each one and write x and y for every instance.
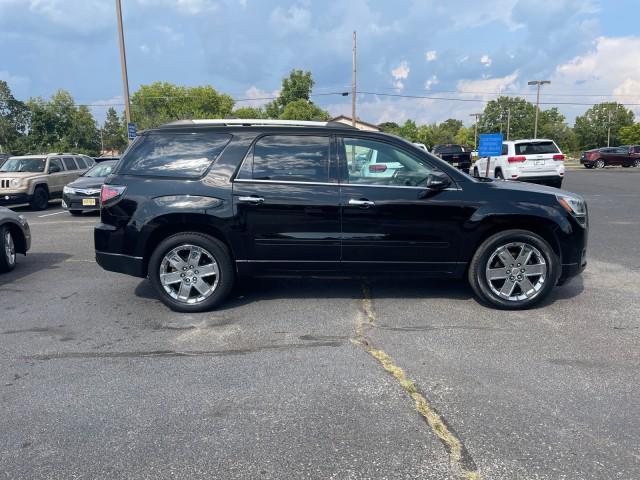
(35, 179)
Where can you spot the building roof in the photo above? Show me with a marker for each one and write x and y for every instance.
(343, 118)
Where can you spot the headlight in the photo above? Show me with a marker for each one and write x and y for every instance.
(573, 204)
(16, 182)
(68, 190)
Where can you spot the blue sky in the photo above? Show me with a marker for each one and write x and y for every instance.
(460, 49)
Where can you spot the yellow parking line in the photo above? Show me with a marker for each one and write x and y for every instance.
(434, 420)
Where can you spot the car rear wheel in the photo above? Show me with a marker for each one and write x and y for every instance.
(514, 270)
(40, 200)
(7, 250)
(191, 272)
(600, 164)
(499, 175)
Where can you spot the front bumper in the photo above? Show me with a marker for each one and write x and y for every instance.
(14, 198)
(81, 202)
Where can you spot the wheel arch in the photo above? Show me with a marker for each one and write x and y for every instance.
(19, 239)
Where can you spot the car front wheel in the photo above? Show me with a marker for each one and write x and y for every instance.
(7, 250)
(191, 272)
(513, 270)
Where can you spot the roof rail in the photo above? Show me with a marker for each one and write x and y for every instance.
(251, 122)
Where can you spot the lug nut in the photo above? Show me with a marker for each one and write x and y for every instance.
(184, 269)
(196, 272)
(187, 280)
(523, 270)
(182, 275)
(508, 272)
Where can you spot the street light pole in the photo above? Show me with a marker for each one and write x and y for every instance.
(123, 65)
(475, 134)
(538, 83)
(353, 82)
(609, 130)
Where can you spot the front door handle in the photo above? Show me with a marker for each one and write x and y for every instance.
(252, 200)
(361, 203)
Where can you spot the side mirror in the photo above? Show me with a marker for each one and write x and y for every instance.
(54, 168)
(438, 181)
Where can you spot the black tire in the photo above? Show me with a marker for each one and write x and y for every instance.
(499, 174)
(556, 183)
(7, 261)
(626, 165)
(588, 166)
(40, 200)
(220, 254)
(75, 213)
(480, 284)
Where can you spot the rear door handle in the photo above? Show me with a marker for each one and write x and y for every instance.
(252, 200)
(361, 203)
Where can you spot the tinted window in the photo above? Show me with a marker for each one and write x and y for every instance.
(448, 149)
(299, 158)
(101, 169)
(80, 162)
(70, 163)
(31, 165)
(379, 163)
(505, 149)
(536, 148)
(185, 155)
(89, 161)
(56, 161)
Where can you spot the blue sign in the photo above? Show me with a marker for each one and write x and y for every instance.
(131, 129)
(490, 145)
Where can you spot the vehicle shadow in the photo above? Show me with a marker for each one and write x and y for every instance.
(252, 290)
(33, 263)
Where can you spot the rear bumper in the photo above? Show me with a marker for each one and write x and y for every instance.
(14, 198)
(116, 262)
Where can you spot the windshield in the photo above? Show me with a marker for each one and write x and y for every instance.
(33, 165)
(100, 170)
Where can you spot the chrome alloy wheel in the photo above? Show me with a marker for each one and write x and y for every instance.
(9, 248)
(600, 164)
(516, 271)
(189, 274)
(636, 163)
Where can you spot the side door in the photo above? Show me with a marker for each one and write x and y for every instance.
(56, 176)
(286, 199)
(394, 224)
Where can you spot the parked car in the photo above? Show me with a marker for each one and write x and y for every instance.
(83, 194)
(15, 237)
(454, 154)
(535, 161)
(195, 204)
(625, 156)
(35, 179)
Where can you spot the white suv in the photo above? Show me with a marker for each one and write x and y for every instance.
(537, 161)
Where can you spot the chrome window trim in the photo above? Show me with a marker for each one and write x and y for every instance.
(287, 182)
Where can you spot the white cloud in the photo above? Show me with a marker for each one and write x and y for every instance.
(78, 16)
(486, 60)
(144, 48)
(184, 7)
(431, 55)
(293, 19)
(431, 82)
(400, 73)
(257, 97)
(610, 68)
(486, 89)
(171, 35)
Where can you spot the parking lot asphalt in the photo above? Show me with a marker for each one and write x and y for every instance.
(312, 378)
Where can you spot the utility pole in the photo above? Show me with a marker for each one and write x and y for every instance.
(609, 129)
(508, 121)
(123, 65)
(475, 134)
(353, 83)
(538, 83)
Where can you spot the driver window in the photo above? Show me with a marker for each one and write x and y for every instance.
(57, 162)
(379, 163)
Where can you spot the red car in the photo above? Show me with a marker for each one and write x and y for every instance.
(625, 155)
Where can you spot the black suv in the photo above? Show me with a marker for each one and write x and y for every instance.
(195, 204)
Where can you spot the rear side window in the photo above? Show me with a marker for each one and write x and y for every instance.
(300, 158)
(69, 163)
(80, 162)
(505, 149)
(536, 148)
(183, 155)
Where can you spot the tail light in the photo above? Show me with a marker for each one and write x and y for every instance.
(378, 167)
(111, 192)
(516, 159)
(558, 157)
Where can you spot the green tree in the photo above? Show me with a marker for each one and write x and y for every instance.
(446, 131)
(630, 135)
(162, 102)
(248, 112)
(591, 128)
(14, 119)
(114, 134)
(464, 137)
(303, 110)
(297, 86)
(519, 113)
(552, 124)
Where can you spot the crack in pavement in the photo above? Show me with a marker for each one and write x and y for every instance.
(458, 453)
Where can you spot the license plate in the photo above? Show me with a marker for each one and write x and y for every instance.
(88, 202)
(539, 162)
(456, 164)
